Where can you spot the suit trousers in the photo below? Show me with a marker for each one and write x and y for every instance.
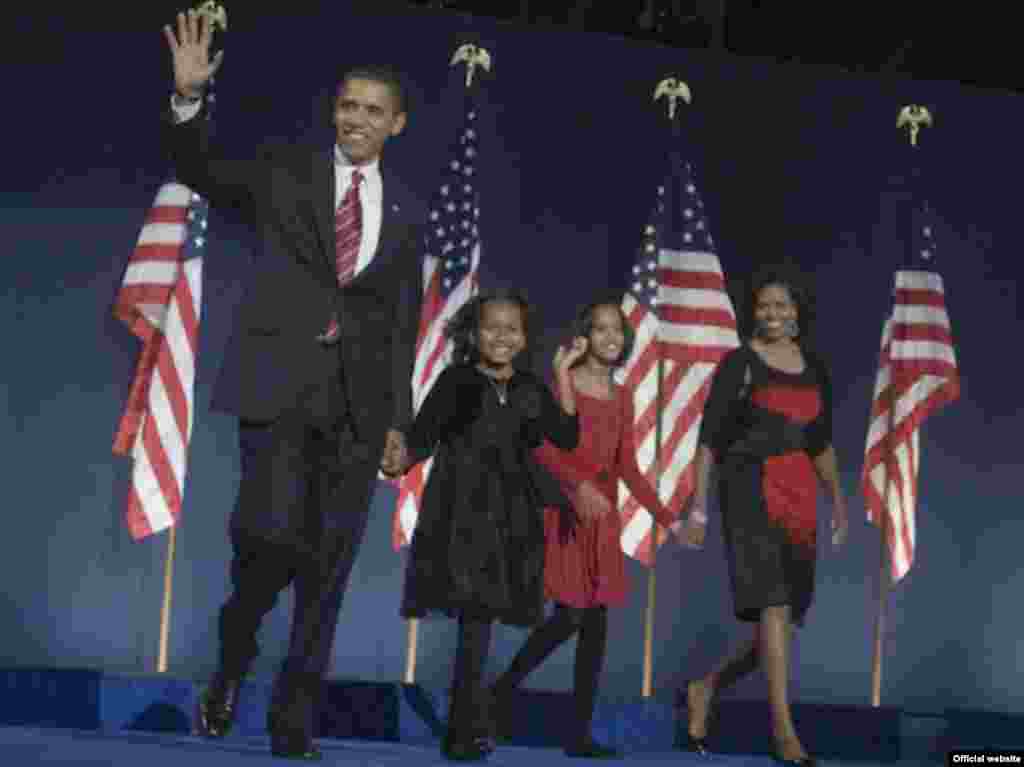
(303, 503)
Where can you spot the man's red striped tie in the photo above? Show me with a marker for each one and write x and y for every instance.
(348, 233)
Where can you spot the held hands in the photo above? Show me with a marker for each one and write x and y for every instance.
(566, 358)
(590, 503)
(395, 460)
(690, 532)
(190, 53)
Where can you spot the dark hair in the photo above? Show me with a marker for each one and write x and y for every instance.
(379, 74)
(790, 277)
(583, 325)
(462, 329)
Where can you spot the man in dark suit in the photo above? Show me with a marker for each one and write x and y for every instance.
(318, 371)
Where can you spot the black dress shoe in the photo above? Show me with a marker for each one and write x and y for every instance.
(695, 745)
(464, 752)
(590, 749)
(216, 709)
(294, 747)
(290, 716)
(806, 761)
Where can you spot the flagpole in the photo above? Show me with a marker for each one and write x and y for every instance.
(912, 118)
(411, 639)
(165, 607)
(673, 90)
(884, 582)
(648, 670)
(649, 628)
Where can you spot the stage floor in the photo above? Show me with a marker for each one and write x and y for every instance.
(29, 745)
(91, 717)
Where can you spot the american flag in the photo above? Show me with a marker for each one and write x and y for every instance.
(917, 374)
(684, 320)
(450, 278)
(159, 301)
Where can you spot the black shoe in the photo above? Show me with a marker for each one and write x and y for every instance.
(215, 712)
(464, 752)
(696, 745)
(590, 749)
(289, 746)
(292, 709)
(289, 742)
(682, 706)
(806, 761)
(803, 761)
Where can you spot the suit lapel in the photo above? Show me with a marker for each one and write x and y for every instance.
(388, 216)
(323, 203)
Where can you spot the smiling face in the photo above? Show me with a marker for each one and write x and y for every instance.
(502, 334)
(607, 335)
(775, 312)
(366, 114)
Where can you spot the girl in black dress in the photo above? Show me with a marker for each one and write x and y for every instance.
(478, 551)
(767, 430)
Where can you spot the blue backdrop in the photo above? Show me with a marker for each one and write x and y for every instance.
(793, 162)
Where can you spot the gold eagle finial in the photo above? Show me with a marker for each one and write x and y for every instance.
(215, 12)
(912, 117)
(474, 56)
(673, 90)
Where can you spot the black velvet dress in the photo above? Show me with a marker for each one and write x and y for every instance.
(478, 548)
(765, 426)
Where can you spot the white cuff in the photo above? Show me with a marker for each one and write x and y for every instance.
(183, 112)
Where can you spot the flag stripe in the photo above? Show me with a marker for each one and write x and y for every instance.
(931, 350)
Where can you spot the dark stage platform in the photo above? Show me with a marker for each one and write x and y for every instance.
(85, 717)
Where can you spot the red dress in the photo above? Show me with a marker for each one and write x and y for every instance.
(765, 427)
(789, 482)
(584, 565)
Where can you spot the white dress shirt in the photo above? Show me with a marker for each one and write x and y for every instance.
(371, 191)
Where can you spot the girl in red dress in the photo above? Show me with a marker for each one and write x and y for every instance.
(584, 565)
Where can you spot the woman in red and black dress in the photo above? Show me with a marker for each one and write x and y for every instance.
(767, 431)
(584, 567)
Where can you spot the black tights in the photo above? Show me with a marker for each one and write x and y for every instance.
(467, 705)
(592, 625)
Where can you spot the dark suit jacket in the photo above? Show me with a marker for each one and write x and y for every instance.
(274, 355)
